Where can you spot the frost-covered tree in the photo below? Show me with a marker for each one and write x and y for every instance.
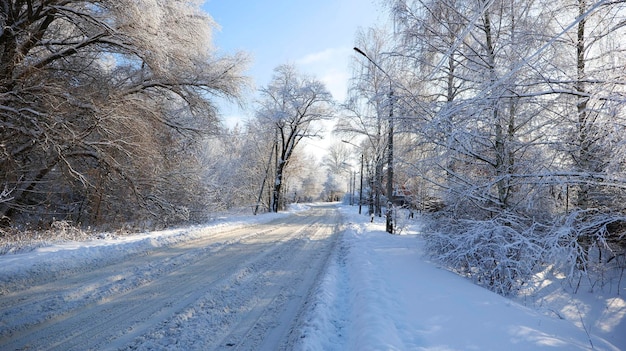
(368, 104)
(291, 104)
(337, 158)
(332, 188)
(592, 90)
(234, 165)
(100, 101)
(338, 164)
(303, 178)
(239, 164)
(520, 101)
(479, 124)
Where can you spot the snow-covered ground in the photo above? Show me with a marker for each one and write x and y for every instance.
(55, 258)
(378, 292)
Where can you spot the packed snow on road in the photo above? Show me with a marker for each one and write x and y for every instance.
(320, 277)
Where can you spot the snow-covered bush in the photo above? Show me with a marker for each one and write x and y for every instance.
(402, 218)
(500, 253)
(504, 253)
(589, 245)
(16, 240)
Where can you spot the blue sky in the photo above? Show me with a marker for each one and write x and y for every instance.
(316, 36)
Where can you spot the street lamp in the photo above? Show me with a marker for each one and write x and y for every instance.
(389, 216)
(361, 181)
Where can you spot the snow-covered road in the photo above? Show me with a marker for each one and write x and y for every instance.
(236, 288)
(319, 278)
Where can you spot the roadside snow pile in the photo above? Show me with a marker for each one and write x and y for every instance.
(59, 259)
(380, 294)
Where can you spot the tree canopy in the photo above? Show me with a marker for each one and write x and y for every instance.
(99, 102)
(289, 105)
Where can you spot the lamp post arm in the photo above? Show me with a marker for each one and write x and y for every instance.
(373, 62)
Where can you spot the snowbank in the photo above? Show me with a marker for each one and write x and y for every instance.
(65, 257)
(381, 294)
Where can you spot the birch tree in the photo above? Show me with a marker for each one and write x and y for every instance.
(471, 56)
(367, 106)
(593, 96)
(526, 97)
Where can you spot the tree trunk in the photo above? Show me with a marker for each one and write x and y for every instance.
(277, 198)
(584, 146)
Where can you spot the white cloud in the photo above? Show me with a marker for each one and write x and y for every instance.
(325, 56)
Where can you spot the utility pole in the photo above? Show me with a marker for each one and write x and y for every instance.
(390, 165)
(361, 185)
(389, 214)
(361, 180)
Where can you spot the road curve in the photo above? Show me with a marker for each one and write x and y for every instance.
(233, 289)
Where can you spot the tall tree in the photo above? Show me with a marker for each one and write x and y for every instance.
(368, 104)
(96, 99)
(525, 97)
(481, 96)
(594, 88)
(291, 103)
(337, 159)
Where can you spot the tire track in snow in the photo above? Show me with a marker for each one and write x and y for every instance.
(42, 303)
(183, 282)
(290, 294)
(268, 297)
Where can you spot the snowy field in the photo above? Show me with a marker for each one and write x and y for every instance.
(377, 292)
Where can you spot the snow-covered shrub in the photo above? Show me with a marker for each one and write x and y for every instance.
(402, 218)
(500, 253)
(589, 245)
(16, 240)
(504, 253)
(64, 230)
